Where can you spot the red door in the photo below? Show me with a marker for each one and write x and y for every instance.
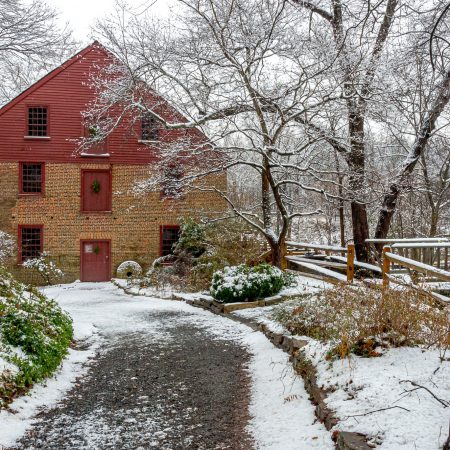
(95, 190)
(95, 260)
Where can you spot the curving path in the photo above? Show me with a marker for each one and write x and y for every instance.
(165, 375)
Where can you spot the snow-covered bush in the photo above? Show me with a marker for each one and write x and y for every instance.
(7, 246)
(34, 336)
(129, 269)
(227, 243)
(363, 321)
(201, 250)
(45, 268)
(242, 283)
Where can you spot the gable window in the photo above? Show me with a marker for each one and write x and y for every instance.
(30, 241)
(149, 128)
(96, 190)
(97, 145)
(169, 237)
(37, 121)
(31, 178)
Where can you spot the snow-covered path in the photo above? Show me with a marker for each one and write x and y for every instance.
(163, 375)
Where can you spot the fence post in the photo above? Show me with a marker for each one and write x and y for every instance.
(350, 262)
(386, 267)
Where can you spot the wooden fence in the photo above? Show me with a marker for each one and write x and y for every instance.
(415, 262)
(432, 251)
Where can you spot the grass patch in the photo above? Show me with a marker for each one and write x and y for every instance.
(363, 321)
(34, 337)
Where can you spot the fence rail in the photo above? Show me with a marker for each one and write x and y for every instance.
(308, 246)
(407, 240)
(338, 264)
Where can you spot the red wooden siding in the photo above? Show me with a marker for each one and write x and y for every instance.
(66, 92)
(92, 201)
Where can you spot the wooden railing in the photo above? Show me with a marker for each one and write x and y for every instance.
(327, 261)
(427, 250)
(316, 247)
(337, 264)
(403, 264)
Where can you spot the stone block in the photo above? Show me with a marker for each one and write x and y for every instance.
(352, 441)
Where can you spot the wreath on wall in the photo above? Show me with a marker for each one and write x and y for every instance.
(93, 131)
(95, 186)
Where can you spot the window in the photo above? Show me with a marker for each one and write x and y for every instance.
(31, 178)
(169, 237)
(31, 240)
(96, 190)
(149, 128)
(37, 121)
(93, 131)
(172, 187)
(96, 145)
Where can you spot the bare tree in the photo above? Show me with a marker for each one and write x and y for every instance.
(278, 87)
(359, 32)
(31, 42)
(371, 42)
(437, 93)
(240, 71)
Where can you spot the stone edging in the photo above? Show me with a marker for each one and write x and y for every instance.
(344, 440)
(226, 308)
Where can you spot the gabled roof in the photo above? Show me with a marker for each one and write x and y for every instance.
(52, 74)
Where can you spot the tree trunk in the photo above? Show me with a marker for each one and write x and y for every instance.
(341, 214)
(390, 199)
(357, 183)
(279, 254)
(360, 231)
(341, 200)
(433, 222)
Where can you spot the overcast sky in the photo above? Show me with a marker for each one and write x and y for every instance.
(82, 14)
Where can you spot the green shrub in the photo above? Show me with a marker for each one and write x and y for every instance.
(34, 336)
(243, 283)
(192, 238)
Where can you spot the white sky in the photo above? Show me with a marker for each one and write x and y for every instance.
(81, 15)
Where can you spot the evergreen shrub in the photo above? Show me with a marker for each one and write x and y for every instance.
(245, 283)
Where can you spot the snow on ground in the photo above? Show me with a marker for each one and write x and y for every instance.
(132, 287)
(282, 416)
(301, 285)
(364, 385)
(305, 285)
(19, 416)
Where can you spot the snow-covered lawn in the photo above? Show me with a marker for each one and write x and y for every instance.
(282, 416)
(361, 387)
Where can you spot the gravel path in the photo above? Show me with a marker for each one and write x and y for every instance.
(181, 388)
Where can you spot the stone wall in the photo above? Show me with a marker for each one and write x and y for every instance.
(133, 226)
